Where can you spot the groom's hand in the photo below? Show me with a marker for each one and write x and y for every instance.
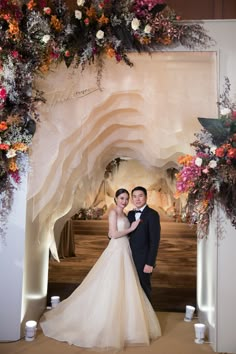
(147, 269)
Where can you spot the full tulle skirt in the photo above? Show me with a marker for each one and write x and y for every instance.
(109, 309)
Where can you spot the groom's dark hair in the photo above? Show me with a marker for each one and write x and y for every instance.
(139, 188)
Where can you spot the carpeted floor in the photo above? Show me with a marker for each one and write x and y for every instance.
(177, 338)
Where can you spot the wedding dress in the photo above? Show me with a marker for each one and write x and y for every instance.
(109, 308)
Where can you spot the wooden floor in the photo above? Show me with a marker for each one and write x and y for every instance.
(173, 280)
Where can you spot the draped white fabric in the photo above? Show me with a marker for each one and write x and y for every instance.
(148, 113)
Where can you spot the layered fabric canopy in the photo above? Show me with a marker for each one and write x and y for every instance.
(147, 113)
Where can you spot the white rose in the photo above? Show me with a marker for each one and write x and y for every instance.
(100, 34)
(225, 111)
(213, 149)
(135, 24)
(147, 29)
(78, 14)
(11, 153)
(80, 2)
(212, 164)
(198, 162)
(46, 38)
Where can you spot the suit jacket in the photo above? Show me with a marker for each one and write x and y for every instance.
(145, 239)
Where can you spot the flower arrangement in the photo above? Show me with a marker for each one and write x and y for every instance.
(89, 213)
(36, 34)
(209, 177)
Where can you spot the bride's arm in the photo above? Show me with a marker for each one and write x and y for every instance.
(113, 232)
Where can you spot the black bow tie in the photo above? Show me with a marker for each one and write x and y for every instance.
(138, 211)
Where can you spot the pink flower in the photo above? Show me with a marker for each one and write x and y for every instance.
(86, 21)
(233, 115)
(3, 93)
(15, 54)
(54, 55)
(47, 10)
(15, 175)
(118, 57)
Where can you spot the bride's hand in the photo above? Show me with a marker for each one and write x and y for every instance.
(134, 225)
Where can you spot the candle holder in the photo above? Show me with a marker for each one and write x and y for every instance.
(30, 330)
(55, 301)
(189, 313)
(199, 333)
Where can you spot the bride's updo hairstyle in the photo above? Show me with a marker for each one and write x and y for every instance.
(120, 191)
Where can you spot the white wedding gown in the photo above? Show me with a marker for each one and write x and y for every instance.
(109, 309)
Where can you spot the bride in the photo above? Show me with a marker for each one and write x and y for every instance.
(109, 309)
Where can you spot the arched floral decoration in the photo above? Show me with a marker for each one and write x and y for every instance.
(35, 34)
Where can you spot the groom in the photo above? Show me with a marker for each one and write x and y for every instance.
(144, 240)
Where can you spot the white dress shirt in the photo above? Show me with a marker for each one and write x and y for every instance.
(137, 215)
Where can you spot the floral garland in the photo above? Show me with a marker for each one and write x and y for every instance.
(36, 34)
(209, 177)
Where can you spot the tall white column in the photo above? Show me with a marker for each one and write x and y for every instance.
(216, 286)
(12, 252)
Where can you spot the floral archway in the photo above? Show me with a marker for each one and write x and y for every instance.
(36, 35)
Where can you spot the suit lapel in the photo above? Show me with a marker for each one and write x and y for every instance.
(145, 211)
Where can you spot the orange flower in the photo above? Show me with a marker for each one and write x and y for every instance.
(145, 40)
(185, 160)
(20, 147)
(103, 20)
(14, 119)
(110, 52)
(3, 126)
(91, 12)
(12, 165)
(44, 68)
(31, 4)
(14, 28)
(165, 40)
(56, 23)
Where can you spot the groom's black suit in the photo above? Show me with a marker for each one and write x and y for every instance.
(144, 243)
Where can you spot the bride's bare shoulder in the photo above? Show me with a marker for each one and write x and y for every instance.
(112, 213)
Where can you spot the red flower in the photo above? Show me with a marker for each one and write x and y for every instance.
(4, 147)
(220, 152)
(101, 5)
(232, 153)
(3, 126)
